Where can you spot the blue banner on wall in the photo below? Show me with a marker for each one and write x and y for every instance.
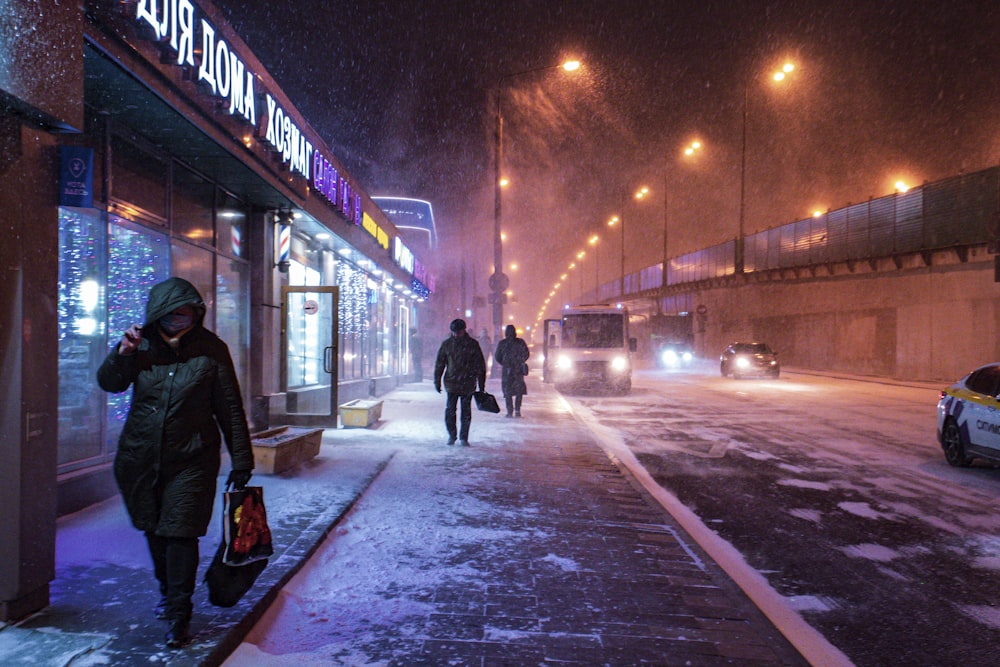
(76, 176)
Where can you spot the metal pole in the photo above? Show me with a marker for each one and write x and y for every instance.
(663, 278)
(622, 216)
(743, 184)
(497, 291)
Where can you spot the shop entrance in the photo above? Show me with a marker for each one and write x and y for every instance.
(309, 326)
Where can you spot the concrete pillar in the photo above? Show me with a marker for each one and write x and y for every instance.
(29, 374)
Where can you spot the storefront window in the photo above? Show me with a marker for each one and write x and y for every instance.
(197, 266)
(140, 178)
(193, 199)
(138, 258)
(232, 301)
(354, 320)
(82, 235)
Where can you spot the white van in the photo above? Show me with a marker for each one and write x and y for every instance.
(593, 349)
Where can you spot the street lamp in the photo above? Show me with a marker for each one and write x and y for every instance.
(499, 281)
(593, 241)
(689, 151)
(778, 76)
(620, 221)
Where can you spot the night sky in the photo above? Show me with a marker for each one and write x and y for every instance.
(404, 94)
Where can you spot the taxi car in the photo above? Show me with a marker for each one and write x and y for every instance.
(743, 359)
(968, 417)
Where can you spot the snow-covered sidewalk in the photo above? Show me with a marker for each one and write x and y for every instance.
(529, 546)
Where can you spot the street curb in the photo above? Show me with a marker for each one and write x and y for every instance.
(810, 643)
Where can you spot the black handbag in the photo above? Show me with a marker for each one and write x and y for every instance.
(227, 584)
(246, 545)
(524, 368)
(486, 402)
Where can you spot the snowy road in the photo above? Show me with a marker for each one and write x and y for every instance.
(837, 491)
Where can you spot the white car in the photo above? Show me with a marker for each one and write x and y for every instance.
(968, 417)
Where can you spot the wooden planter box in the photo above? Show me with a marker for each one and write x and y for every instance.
(360, 413)
(284, 447)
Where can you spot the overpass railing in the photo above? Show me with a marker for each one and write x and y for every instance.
(958, 211)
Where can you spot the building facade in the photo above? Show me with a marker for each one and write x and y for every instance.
(142, 140)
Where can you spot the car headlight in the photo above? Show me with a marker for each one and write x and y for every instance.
(742, 362)
(687, 356)
(669, 357)
(619, 364)
(564, 363)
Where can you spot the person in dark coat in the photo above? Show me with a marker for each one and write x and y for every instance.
(461, 365)
(417, 355)
(512, 353)
(184, 392)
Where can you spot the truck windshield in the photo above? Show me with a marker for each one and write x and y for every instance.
(593, 331)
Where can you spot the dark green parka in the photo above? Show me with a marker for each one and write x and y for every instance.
(169, 451)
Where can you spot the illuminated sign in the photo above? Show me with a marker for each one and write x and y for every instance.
(402, 256)
(221, 70)
(287, 139)
(369, 225)
(327, 182)
(223, 74)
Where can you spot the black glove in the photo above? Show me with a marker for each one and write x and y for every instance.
(239, 479)
(437, 388)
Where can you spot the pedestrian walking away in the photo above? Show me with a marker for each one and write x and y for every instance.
(461, 367)
(512, 354)
(184, 391)
(417, 355)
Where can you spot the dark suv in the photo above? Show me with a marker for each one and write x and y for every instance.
(743, 359)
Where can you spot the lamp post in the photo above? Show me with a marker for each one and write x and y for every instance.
(499, 281)
(593, 241)
(786, 69)
(620, 221)
(689, 150)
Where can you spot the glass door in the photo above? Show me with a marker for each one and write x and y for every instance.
(309, 326)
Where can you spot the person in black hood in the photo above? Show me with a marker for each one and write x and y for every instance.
(184, 392)
(512, 353)
(461, 365)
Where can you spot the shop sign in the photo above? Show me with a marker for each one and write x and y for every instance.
(221, 70)
(76, 176)
(328, 183)
(223, 74)
(403, 256)
(380, 235)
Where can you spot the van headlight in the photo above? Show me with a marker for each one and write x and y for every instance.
(619, 364)
(564, 363)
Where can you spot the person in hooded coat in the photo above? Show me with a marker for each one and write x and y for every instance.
(512, 353)
(184, 392)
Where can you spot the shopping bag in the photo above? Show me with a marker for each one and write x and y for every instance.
(246, 545)
(244, 530)
(227, 584)
(486, 402)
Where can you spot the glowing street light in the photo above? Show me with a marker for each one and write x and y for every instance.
(620, 221)
(778, 76)
(689, 151)
(498, 281)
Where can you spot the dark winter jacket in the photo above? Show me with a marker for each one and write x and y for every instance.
(512, 353)
(460, 362)
(169, 451)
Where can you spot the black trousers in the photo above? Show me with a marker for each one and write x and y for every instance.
(451, 411)
(175, 564)
(513, 403)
